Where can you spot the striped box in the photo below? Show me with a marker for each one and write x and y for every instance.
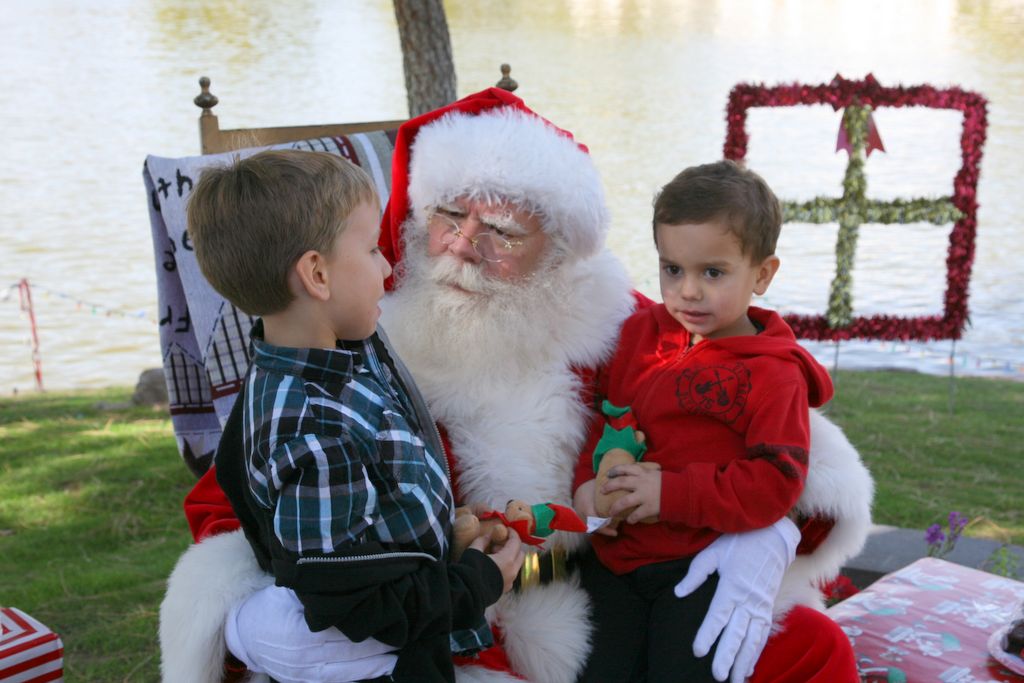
(29, 652)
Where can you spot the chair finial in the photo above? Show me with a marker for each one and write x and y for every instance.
(507, 82)
(205, 100)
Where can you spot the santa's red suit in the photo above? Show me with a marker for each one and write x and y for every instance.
(502, 373)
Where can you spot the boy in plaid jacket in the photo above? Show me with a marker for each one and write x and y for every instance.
(330, 458)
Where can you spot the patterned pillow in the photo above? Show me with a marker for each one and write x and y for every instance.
(204, 338)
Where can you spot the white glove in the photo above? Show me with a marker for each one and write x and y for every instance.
(268, 633)
(750, 568)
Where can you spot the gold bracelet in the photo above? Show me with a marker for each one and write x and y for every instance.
(553, 561)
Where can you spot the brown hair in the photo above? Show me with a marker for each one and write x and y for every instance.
(728, 192)
(251, 220)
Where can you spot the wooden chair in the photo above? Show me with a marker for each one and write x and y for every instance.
(213, 140)
(203, 338)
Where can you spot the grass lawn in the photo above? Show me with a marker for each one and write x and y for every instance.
(927, 462)
(90, 526)
(91, 521)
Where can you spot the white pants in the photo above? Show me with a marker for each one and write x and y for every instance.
(268, 633)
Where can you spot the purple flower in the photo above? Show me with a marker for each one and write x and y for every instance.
(957, 522)
(934, 535)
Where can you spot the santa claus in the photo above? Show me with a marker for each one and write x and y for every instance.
(506, 302)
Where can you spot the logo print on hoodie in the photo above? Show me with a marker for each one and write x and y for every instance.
(719, 391)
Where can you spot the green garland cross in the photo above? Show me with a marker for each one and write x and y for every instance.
(854, 208)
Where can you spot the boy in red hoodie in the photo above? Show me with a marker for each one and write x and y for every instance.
(721, 391)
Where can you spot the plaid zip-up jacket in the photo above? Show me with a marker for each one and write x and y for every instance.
(335, 451)
(341, 485)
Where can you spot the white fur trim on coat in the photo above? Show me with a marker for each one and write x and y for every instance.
(508, 153)
(838, 487)
(547, 630)
(208, 580)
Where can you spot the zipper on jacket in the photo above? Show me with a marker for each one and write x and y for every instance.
(444, 453)
(361, 558)
(419, 405)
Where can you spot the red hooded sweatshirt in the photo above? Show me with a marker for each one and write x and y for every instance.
(727, 420)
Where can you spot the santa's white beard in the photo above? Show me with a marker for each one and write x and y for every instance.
(494, 362)
(451, 317)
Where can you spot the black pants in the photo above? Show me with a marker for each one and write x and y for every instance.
(643, 632)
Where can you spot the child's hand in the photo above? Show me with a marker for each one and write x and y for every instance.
(509, 557)
(583, 501)
(643, 485)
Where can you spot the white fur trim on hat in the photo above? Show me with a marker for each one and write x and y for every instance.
(509, 154)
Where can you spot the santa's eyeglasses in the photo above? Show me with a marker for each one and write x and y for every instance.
(491, 245)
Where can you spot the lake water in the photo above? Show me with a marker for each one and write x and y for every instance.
(90, 88)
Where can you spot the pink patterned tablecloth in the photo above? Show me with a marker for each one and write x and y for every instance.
(930, 621)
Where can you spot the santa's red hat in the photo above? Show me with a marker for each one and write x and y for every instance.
(490, 144)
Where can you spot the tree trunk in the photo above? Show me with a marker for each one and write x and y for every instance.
(426, 54)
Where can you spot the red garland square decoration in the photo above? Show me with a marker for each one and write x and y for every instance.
(842, 93)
